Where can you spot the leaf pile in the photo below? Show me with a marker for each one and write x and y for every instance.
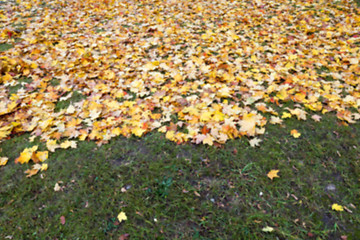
(199, 71)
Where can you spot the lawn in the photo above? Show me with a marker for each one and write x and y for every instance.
(163, 119)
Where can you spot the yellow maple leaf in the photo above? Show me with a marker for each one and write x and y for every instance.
(273, 174)
(295, 133)
(39, 156)
(25, 155)
(205, 116)
(44, 167)
(337, 207)
(3, 161)
(248, 124)
(208, 140)
(52, 145)
(138, 131)
(31, 172)
(286, 115)
(122, 217)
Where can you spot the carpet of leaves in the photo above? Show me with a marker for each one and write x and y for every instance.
(199, 71)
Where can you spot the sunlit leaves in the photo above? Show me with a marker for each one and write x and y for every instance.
(202, 80)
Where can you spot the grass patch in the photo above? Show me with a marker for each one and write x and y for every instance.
(75, 97)
(21, 82)
(5, 46)
(171, 191)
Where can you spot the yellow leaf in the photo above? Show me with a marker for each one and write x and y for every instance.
(273, 174)
(254, 58)
(65, 145)
(248, 124)
(31, 172)
(52, 145)
(205, 116)
(267, 229)
(44, 167)
(170, 135)
(138, 131)
(337, 207)
(295, 133)
(178, 77)
(218, 116)
(25, 156)
(208, 140)
(40, 156)
(3, 161)
(286, 115)
(122, 217)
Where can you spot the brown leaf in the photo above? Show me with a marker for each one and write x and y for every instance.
(124, 236)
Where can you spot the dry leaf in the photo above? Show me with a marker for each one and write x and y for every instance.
(337, 207)
(3, 161)
(255, 142)
(62, 220)
(273, 174)
(267, 229)
(295, 133)
(57, 187)
(122, 217)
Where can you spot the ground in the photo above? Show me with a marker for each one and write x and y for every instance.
(134, 182)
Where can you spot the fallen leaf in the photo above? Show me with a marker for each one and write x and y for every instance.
(124, 236)
(316, 118)
(267, 229)
(3, 161)
(57, 187)
(295, 133)
(62, 220)
(255, 142)
(122, 217)
(273, 174)
(337, 207)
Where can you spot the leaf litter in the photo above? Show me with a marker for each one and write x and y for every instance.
(198, 71)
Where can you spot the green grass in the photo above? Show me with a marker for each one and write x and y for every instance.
(189, 191)
(5, 46)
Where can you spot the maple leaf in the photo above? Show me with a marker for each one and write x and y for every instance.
(67, 144)
(33, 171)
(295, 133)
(44, 167)
(248, 124)
(3, 161)
(316, 118)
(273, 174)
(122, 217)
(286, 115)
(25, 155)
(52, 145)
(337, 207)
(39, 156)
(208, 140)
(275, 120)
(255, 142)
